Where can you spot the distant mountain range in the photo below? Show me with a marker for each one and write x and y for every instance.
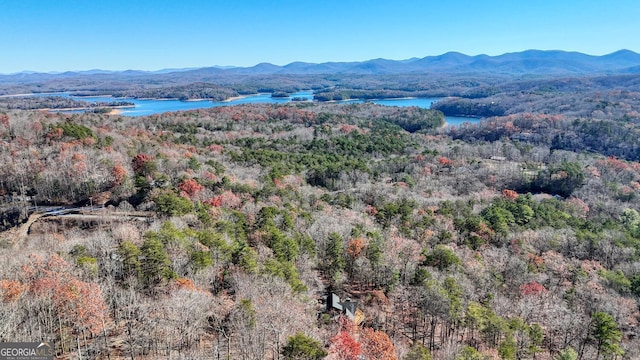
(533, 62)
(536, 62)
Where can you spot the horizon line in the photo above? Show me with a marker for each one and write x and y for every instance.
(226, 67)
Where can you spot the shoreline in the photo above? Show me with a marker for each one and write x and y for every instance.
(16, 95)
(113, 108)
(96, 96)
(240, 97)
(379, 99)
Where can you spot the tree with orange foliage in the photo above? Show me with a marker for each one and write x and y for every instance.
(55, 134)
(10, 290)
(5, 126)
(510, 194)
(185, 283)
(355, 247)
(119, 173)
(4, 121)
(77, 303)
(377, 345)
(371, 210)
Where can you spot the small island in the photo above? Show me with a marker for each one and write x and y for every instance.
(279, 94)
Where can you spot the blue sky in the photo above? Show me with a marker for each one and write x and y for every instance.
(61, 35)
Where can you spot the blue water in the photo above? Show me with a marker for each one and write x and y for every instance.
(451, 121)
(455, 121)
(419, 102)
(155, 106)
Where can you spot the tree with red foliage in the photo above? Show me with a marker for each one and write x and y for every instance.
(215, 148)
(143, 164)
(532, 288)
(227, 199)
(214, 201)
(190, 187)
(444, 161)
(344, 346)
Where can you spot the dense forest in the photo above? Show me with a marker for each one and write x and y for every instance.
(220, 233)
(219, 87)
(196, 91)
(58, 103)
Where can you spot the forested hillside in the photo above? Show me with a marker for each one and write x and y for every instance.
(218, 233)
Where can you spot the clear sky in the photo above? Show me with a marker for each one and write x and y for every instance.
(61, 35)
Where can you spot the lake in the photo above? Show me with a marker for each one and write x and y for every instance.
(155, 106)
(423, 103)
(144, 107)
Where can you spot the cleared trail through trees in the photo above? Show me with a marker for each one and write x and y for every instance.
(13, 236)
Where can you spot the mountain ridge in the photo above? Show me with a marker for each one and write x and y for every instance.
(534, 62)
